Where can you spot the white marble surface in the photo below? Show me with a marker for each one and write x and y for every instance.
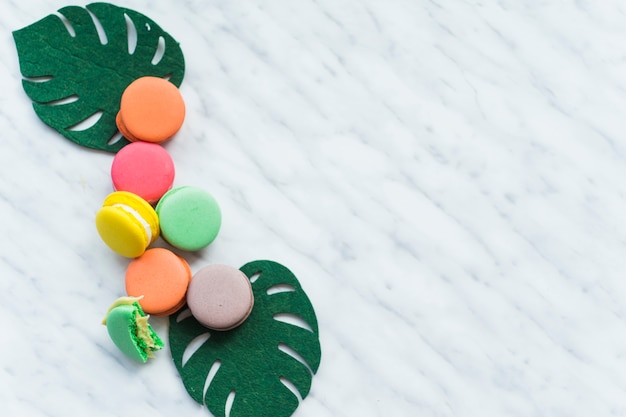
(446, 178)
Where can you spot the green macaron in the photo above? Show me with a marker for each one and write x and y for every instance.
(128, 328)
(189, 217)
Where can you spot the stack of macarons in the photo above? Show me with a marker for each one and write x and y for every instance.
(144, 207)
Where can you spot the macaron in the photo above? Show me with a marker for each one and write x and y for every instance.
(161, 277)
(220, 297)
(151, 110)
(189, 217)
(143, 168)
(127, 223)
(129, 330)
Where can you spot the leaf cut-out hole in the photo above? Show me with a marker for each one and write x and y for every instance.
(209, 378)
(254, 277)
(160, 51)
(131, 31)
(278, 288)
(115, 138)
(229, 402)
(193, 346)
(185, 314)
(99, 29)
(293, 320)
(291, 387)
(289, 351)
(67, 24)
(66, 100)
(87, 123)
(41, 79)
(167, 77)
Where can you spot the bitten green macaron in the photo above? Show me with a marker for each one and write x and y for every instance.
(128, 328)
(189, 218)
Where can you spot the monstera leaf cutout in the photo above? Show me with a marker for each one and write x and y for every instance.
(256, 360)
(76, 73)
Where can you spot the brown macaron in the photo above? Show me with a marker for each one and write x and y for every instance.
(220, 297)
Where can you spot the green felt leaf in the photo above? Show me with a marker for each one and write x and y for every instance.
(251, 357)
(75, 77)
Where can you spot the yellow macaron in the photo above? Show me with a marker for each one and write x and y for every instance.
(127, 223)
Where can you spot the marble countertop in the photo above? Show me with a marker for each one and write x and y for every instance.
(447, 180)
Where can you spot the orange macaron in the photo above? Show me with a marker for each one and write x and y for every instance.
(151, 110)
(161, 278)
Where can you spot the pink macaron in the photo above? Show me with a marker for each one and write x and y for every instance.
(220, 297)
(143, 168)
